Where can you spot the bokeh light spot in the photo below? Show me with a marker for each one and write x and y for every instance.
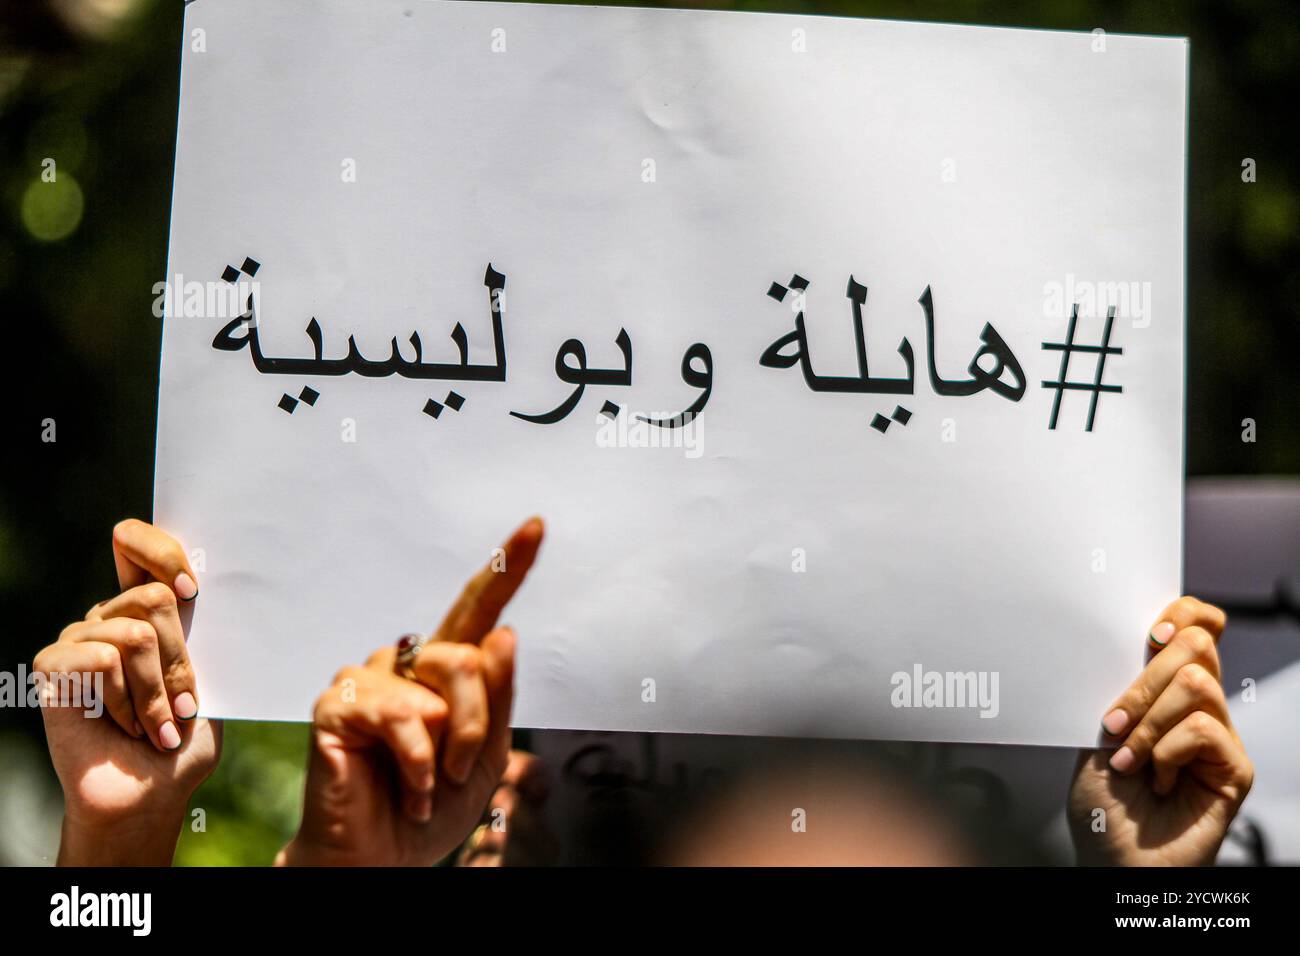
(52, 211)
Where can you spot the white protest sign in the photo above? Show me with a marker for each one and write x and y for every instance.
(468, 247)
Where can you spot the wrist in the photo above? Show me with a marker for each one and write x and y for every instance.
(140, 839)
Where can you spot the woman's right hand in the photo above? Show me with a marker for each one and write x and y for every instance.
(129, 752)
(402, 765)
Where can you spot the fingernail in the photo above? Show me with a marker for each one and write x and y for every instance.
(169, 736)
(1122, 760)
(139, 731)
(185, 706)
(426, 781)
(1161, 633)
(424, 809)
(1115, 722)
(185, 587)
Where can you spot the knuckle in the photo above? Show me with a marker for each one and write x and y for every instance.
(1143, 738)
(1199, 642)
(139, 638)
(123, 530)
(1201, 724)
(467, 662)
(105, 658)
(331, 704)
(43, 662)
(318, 709)
(420, 752)
(179, 674)
(1160, 752)
(399, 709)
(1197, 681)
(155, 596)
(1187, 606)
(433, 709)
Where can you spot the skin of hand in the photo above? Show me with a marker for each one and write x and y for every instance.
(128, 774)
(1172, 788)
(400, 768)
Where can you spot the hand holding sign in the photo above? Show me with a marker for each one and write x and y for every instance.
(128, 773)
(450, 710)
(1175, 717)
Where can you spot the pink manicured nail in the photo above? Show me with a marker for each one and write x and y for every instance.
(185, 706)
(185, 587)
(1115, 722)
(1122, 760)
(1162, 633)
(169, 736)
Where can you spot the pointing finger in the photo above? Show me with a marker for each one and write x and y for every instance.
(479, 605)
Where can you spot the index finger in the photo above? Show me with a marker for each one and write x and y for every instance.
(476, 611)
(144, 553)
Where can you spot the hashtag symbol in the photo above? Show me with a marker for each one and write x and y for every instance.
(1067, 349)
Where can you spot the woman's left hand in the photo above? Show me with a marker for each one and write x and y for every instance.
(1167, 795)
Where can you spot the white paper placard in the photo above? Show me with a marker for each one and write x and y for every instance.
(788, 567)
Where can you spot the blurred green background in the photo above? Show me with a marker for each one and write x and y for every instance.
(93, 84)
